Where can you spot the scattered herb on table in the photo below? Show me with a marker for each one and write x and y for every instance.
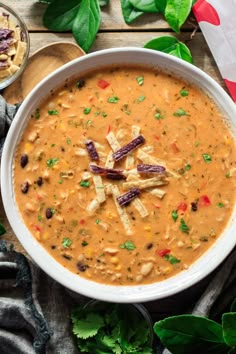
(111, 328)
(83, 19)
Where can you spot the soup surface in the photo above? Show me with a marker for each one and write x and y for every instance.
(125, 175)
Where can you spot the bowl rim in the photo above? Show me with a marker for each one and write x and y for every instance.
(104, 292)
(10, 79)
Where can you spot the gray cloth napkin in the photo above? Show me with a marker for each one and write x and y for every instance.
(35, 310)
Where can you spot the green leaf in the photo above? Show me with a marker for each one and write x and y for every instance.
(87, 23)
(145, 5)
(60, 14)
(172, 46)
(176, 13)
(191, 334)
(2, 230)
(66, 242)
(103, 2)
(207, 158)
(161, 5)
(52, 162)
(184, 227)
(229, 328)
(130, 13)
(174, 215)
(88, 326)
(128, 245)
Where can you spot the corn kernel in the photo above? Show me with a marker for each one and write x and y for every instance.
(114, 260)
(28, 147)
(147, 228)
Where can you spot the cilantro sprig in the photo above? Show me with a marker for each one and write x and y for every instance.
(111, 328)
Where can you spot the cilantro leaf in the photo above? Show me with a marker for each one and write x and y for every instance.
(88, 326)
(128, 245)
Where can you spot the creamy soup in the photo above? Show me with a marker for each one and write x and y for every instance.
(126, 175)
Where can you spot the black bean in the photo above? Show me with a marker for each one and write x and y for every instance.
(149, 246)
(24, 187)
(80, 83)
(194, 206)
(24, 160)
(49, 213)
(81, 266)
(39, 181)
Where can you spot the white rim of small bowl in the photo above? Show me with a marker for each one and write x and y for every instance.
(10, 79)
(113, 293)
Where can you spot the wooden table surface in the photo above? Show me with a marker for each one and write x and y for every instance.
(115, 33)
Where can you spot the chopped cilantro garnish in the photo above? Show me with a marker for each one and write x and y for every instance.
(113, 99)
(140, 80)
(84, 183)
(53, 112)
(52, 162)
(60, 181)
(97, 221)
(66, 242)
(68, 141)
(158, 116)
(84, 243)
(40, 218)
(183, 93)
(37, 113)
(104, 114)
(53, 145)
(87, 110)
(180, 113)
(172, 259)
(196, 143)
(174, 215)
(227, 175)
(128, 245)
(184, 227)
(206, 158)
(220, 205)
(188, 167)
(88, 123)
(141, 98)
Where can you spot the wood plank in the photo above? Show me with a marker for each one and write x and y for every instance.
(112, 18)
(198, 46)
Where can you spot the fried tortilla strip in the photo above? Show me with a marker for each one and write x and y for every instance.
(121, 211)
(99, 188)
(20, 52)
(114, 143)
(129, 163)
(93, 206)
(147, 159)
(145, 183)
(109, 161)
(158, 192)
(137, 203)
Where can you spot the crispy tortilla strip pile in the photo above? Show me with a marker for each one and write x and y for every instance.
(12, 48)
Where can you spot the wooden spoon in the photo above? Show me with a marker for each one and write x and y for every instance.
(40, 64)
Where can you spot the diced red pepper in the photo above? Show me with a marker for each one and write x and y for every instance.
(108, 129)
(174, 148)
(204, 201)
(36, 227)
(156, 137)
(163, 252)
(182, 206)
(156, 206)
(103, 84)
(82, 222)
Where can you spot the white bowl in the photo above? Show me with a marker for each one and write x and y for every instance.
(138, 293)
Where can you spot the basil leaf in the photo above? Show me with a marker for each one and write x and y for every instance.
(130, 13)
(103, 2)
(60, 14)
(172, 46)
(145, 5)
(87, 23)
(161, 5)
(229, 328)
(176, 13)
(191, 334)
